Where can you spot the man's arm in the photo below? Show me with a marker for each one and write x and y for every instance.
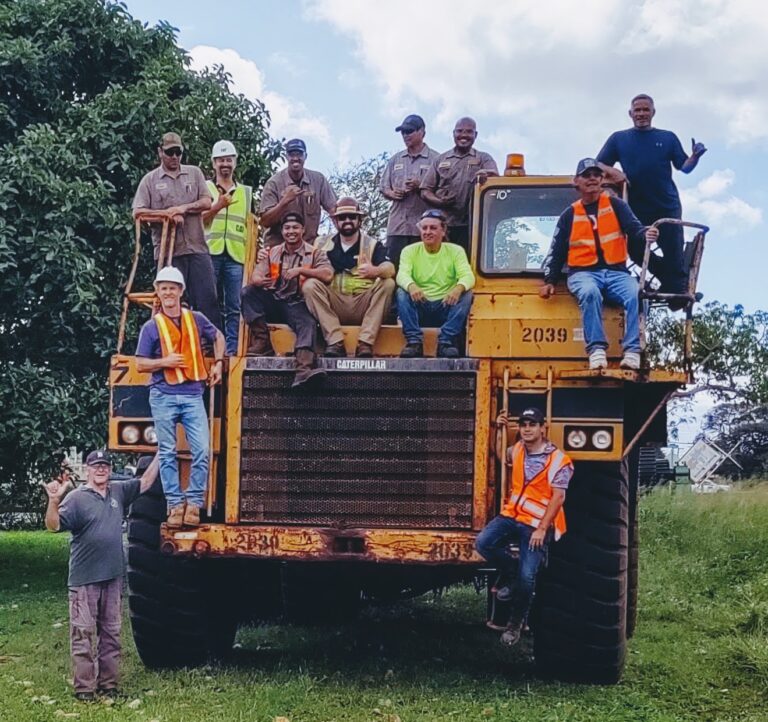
(697, 150)
(429, 186)
(558, 252)
(328, 198)
(56, 491)
(554, 506)
(149, 475)
(378, 266)
(385, 185)
(272, 207)
(146, 362)
(224, 200)
(321, 267)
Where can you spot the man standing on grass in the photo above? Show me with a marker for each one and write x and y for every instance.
(532, 516)
(94, 514)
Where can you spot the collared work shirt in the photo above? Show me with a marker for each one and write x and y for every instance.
(283, 259)
(317, 195)
(406, 213)
(158, 190)
(454, 175)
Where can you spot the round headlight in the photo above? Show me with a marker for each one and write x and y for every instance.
(576, 439)
(602, 439)
(150, 435)
(130, 434)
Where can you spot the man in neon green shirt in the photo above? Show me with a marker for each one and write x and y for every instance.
(434, 282)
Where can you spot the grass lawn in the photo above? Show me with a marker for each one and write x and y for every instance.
(700, 651)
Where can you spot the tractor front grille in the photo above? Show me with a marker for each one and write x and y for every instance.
(365, 449)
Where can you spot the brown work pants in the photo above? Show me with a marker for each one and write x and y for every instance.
(95, 615)
(332, 309)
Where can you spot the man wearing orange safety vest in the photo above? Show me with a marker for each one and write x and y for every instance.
(531, 517)
(170, 349)
(593, 236)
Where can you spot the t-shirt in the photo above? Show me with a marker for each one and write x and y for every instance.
(647, 157)
(149, 347)
(159, 190)
(534, 463)
(96, 524)
(435, 273)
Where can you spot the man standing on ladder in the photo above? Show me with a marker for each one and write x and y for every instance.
(179, 192)
(226, 228)
(531, 517)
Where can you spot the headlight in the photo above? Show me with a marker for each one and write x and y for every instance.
(577, 439)
(150, 435)
(602, 439)
(130, 434)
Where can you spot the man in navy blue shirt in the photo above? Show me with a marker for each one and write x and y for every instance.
(647, 155)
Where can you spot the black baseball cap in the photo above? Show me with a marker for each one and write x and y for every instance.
(98, 457)
(410, 123)
(295, 144)
(292, 216)
(586, 164)
(535, 415)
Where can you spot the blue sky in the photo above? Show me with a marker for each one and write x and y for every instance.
(549, 79)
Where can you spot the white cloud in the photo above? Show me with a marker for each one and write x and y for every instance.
(711, 203)
(289, 117)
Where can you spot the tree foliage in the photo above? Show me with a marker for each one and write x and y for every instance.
(86, 94)
(361, 181)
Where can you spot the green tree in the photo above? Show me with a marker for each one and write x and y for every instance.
(86, 93)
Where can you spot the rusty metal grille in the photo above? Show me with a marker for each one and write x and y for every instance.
(368, 449)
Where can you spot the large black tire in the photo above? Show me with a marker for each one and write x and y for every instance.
(319, 593)
(580, 612)
(181, 614)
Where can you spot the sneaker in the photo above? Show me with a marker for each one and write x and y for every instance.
(631, 360)
(110, 693)
(504, 594)
(335, 350)
(85, 696)
(191, 515)
(512, 634)
(598, 359)
(176, 517)
(412, 350)
(364, 350)
(447, 350)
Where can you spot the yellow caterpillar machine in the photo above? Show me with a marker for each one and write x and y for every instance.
(373, 486)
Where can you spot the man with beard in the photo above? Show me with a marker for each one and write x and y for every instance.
(179, 192)
(275, 291)
(295, 189)
(362, 285)
(400, 184)
(449, 182)
(226, 225)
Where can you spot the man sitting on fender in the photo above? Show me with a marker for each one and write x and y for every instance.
(362, 285)
(593, 234)
(539, 474)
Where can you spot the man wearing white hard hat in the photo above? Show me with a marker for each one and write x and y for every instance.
(170, 349)
(226, 225)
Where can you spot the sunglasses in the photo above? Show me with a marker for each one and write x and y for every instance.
(433, 214)
(347, 217)
(173, 151)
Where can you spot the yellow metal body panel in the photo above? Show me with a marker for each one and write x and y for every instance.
(234, 424)
(395, 546)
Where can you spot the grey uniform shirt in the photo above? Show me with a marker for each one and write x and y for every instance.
(406, 213)
(317, 195)
(158, 190)
(96, 524)
(453, 174)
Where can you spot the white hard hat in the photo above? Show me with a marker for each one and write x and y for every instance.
(222, 148)
(170, 274)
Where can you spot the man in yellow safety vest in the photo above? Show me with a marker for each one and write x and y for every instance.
(226, 228)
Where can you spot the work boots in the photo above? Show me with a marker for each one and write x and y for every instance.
(259, 342)
(192, 515)
(513, 631)
(176, 517)
(305, 368)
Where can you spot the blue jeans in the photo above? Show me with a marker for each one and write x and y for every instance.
(189, 411)
(493, 544)
(229, 281)
(450, 319)
(590, 287)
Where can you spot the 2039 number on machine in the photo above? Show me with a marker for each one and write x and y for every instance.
(545, 334)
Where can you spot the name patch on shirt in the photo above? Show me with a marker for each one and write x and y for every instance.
(474, 161)
(445, 164)
(161, 186)
(398, 166)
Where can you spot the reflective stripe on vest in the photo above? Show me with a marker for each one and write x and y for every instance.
(229, 226)
(528, 502)
(347, 282)
(184, 340)
(582, 249)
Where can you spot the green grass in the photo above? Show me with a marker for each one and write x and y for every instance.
(700, 651)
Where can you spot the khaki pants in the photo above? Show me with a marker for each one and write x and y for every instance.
(333, 309)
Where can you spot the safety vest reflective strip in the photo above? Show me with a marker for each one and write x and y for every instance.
(186, 341)
(528, 502)
(582, 249)
(345, 281)
(229, 226)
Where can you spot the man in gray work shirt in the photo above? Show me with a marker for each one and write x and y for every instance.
(94, 513)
